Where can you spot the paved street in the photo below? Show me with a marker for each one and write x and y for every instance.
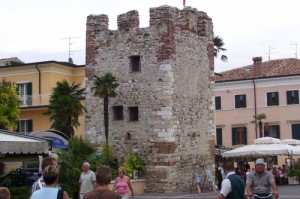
(286, 192)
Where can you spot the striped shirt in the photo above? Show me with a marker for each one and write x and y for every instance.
(260, 184)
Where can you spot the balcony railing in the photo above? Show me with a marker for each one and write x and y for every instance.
(34, 100)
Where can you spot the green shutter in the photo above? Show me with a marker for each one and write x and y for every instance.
(29, 93)
(219, 136)
(288, 97)
(233, 136)
(245, 135)
(29, 125)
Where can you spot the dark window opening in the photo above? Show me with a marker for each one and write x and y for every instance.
(219, 136)
(240, 101)
(272, 131)
(218, 104)
(272, 99)
(239, 135)
(133, 113)
(296, 131)
(292, 97)
(118, 112)
(135, 63)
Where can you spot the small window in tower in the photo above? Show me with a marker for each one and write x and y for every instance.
(118, 112)
(133, 113)
(135, 63)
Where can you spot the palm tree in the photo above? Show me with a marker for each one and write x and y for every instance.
(65, 108)
(218, 46)
(259, 118)
(104, 88)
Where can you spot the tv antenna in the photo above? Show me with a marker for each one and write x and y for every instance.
(269, 52)
(296, 48)
(70, 52)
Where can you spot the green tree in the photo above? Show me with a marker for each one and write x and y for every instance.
(71, 160)
(65, 108)
(133, 162)
(9, 105)
(218, 47)
(259, 118)
(104, 88)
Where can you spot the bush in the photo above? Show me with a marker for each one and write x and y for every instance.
(133, 162)
(107, 157)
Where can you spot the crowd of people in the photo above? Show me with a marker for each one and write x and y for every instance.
(257, 184)
(93, 185)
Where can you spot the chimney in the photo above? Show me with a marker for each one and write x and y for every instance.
(256, 65)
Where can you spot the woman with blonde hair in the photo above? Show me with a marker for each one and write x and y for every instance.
(122, 184)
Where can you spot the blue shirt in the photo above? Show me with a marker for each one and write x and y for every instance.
(45, 193)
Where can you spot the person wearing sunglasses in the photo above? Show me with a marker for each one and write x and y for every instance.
(123, 185)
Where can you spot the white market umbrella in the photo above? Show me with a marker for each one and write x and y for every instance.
(257, 150)
(267, 140)
(290, 141)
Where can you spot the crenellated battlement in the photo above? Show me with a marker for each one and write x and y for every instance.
(188, 19)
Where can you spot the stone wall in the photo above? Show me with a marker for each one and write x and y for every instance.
(172, 91)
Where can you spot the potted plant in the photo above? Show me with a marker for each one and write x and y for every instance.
(294, 175)
(134, 166)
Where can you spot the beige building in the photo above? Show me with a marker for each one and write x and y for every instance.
(270, 87)
(35, 81)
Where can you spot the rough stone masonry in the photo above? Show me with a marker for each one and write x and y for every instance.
(163, 110)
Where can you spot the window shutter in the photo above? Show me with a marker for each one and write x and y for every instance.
(29, 93)
(277, 98)
(218, 103)
(269, 99)
(296, 97)
(245, 135)
(219, 136)
(278, 131)
(29, 125)
(288, 97)
(233, 136)
(266, 132)
(296, 131)
(18, 127)
(245, 101)
(236, 99)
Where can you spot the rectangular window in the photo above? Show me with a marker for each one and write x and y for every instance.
(135, 63)
(239, 135)
(272, 131)
(272, 99)
(25, 93)
(296, 131)
(218, 104)
(292, 97)
(118, 112)
(219, 136)
(133, 113)
(24, 126)
(240, 101)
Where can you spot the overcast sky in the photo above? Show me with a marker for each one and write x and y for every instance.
(35, 30)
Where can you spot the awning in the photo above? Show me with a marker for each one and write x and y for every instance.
(12, 143)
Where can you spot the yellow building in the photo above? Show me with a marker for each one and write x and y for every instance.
(35, 82)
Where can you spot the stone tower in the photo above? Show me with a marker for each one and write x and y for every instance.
(163, 111)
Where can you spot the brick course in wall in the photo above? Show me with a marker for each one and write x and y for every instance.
(172, 91)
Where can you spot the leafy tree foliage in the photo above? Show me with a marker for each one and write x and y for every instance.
(65, 108)
(104, 88)
(107, 157)
(9, 105)
(259, 118)
(71, 160)
(133, 162)
(218, 47)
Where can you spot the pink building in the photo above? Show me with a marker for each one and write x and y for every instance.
(270, 87)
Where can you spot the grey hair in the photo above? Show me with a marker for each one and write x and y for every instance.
(87, 164)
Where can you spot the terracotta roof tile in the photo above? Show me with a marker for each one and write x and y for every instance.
(273, 68)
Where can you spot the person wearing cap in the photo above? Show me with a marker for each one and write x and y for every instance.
(261, 182)
(233, 187)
